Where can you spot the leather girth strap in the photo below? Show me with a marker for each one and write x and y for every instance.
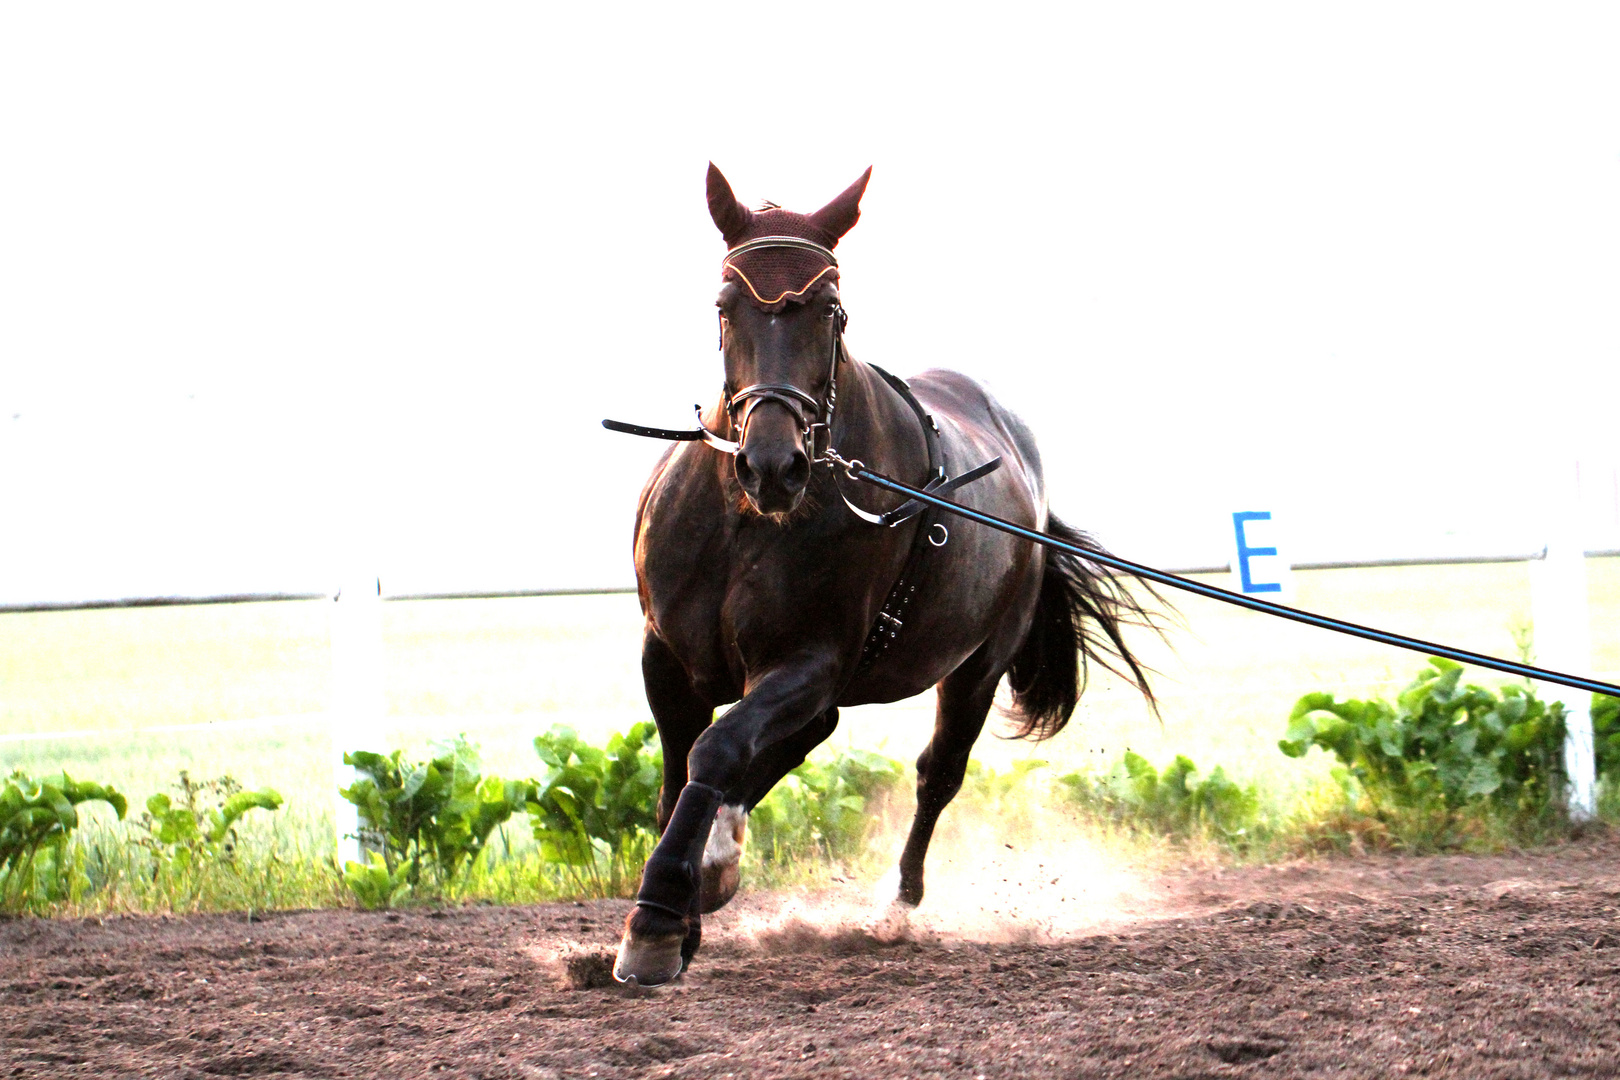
(890, 619)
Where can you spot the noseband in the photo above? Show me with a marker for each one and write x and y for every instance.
(814, 417)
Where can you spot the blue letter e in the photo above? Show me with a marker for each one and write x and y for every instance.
(1244, 551)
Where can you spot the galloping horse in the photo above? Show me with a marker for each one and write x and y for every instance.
(765, 583)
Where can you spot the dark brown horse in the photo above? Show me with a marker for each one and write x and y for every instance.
(765, 584)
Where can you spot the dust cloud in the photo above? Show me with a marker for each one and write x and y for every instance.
(1028, 877)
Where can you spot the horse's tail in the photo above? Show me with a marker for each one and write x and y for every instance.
(1080, 616)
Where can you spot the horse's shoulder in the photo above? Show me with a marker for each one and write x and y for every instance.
(682, 544)
(683, 481)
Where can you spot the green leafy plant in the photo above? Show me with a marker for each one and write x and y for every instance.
(428, 820)
(1176, 801)
(39, 816)
(1606, 735)
(191, 836)
(992, 790)
(1441, 745)
(594, 812)
(1606, 745)
(824, 808)
(373, 884)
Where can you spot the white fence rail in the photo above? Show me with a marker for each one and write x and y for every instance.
(355, 718)
(177, 600)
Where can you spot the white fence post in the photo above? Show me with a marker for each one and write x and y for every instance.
(1563, 629)
(357, 693)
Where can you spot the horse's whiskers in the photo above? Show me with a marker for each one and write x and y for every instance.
(808, 508)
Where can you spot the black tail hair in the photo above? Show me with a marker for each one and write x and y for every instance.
(1080, 616)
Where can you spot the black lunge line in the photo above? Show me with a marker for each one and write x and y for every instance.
(860, 472)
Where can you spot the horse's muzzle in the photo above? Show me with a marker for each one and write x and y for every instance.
(774, 475)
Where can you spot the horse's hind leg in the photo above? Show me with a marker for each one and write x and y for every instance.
(964, 701)
(723, 853)
(679, 714)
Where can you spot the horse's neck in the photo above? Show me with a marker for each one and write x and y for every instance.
(877, 425)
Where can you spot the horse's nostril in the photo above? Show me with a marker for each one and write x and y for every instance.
(797, 474)
(745, 472)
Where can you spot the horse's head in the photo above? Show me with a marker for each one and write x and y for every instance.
(780, 330)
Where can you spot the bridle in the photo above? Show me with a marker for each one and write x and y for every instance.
(814, 417)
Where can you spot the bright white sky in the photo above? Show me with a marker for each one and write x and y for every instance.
(290, 287)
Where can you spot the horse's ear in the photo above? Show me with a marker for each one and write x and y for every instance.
(840, 215)
(730, 216)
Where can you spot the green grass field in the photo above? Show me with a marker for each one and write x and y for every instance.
(132, 696)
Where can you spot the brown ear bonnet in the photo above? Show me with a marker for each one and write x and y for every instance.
(776, 255)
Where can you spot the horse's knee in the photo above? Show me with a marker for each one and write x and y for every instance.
(717, 762)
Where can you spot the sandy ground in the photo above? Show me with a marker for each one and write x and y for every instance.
(1503, 966)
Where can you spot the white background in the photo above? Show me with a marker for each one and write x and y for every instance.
(286, 286)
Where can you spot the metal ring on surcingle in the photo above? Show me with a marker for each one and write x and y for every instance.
(944, 534)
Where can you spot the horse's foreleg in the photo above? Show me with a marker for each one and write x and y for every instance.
(663, 931)
(783, 757)
(964, 702)
(679, 713)
(722, 855)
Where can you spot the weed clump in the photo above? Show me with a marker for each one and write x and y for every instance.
(1445, 765)
(37, 817)
(1178, 801)
(824, 809)
(194, 838)
(427, 822)
(594, 813)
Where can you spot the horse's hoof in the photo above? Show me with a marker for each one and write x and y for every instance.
(722, 858)
(892, 924)
(650, 956)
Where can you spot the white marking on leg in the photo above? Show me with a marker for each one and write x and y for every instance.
(725, 837)
(722, 856)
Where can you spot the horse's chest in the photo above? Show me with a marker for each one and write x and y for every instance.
(731, 607)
